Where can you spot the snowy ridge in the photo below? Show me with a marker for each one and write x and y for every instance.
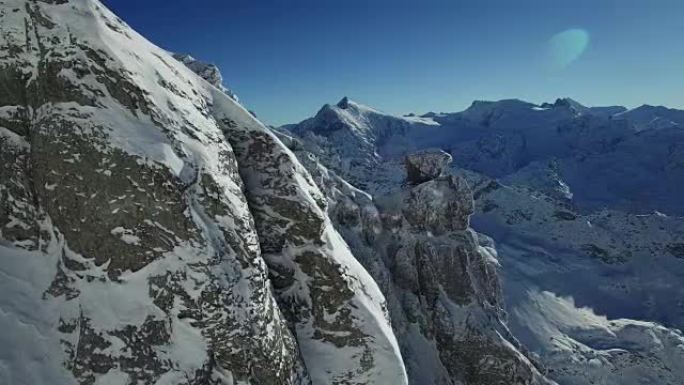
(653, 117)
(126, 221)
(323, 319)
(208, 72)
(501, 138)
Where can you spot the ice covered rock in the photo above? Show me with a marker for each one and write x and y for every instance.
(208, 72)
(439, 277)
(332, 302)
(440, 205)
(141, 244)
(426, 165)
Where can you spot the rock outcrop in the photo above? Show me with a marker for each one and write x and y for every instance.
(208, 72)
(426, 165)
(438, 275)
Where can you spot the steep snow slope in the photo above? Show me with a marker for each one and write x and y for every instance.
(580, 346)
(357, 131)
(147, 225)
(338, 312)
(593, 292)
(621, 265)
(641, 174)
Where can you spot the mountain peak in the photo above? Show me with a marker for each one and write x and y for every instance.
(344, 103)
(565, 103)
(480, 109)
(133, 282)
(505, 103)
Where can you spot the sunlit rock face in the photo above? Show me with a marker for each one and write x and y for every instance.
(439, 276)
(152, 231)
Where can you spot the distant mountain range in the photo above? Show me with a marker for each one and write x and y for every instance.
(626, 150)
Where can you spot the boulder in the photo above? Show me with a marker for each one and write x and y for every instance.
(426, 165)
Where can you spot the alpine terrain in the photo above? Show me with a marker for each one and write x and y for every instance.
(154, 231)
(589, 261)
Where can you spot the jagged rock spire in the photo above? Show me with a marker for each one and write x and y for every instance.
(344, 103)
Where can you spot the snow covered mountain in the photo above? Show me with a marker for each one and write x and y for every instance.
(152, 231)
(439, 276)
(591, 275)
(513, 139)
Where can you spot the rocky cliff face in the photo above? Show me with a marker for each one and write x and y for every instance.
(439, 276)
(152, 231)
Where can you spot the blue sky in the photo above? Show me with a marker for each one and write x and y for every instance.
(287, 58)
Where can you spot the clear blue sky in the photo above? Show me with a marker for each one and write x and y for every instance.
(286, 58)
